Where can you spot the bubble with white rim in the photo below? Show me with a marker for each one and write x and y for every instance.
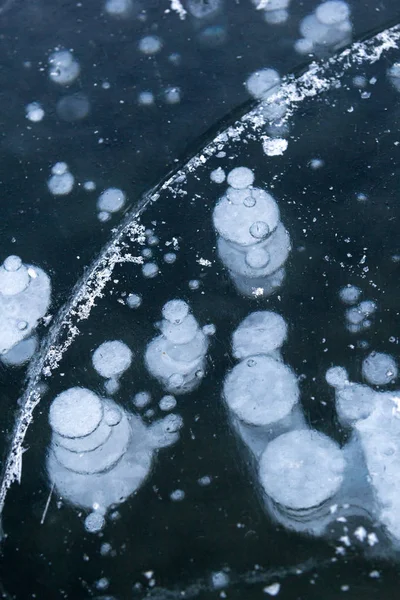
(261, 332)
(95, 522)
(261, 390)
(14, 276)
(302, 469)
(112, 358)
(243, 224)
(111, 200)
(75, 413)
(379, 368)
(240, 178)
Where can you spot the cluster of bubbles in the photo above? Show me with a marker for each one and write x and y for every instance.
(25, 294)
(358, 316)
(176, 358)
(252, 242)
(301, 471)
(111, 359)
(101, 453)
(327, 29)
(61, 181)
(373, 417)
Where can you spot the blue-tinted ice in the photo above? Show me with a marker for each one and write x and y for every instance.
(237, 298)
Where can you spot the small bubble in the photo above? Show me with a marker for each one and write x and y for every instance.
(249, 201)
(177, 495)
(259, 230)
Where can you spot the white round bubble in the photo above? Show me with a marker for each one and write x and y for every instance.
(111, 200)
(111, 359)
(150, 270)
(262, 332)
(141, 399)
(257, 258)
(64, 69)
(301, 469)
(61, 185)
(14, 276)
(169, 258)
(59, 168)
(118, 8)
(89, 186)
(150, 44)
(177, 495)
(337, 377)
(303, 46)
(262, 83)
(349, 294)
(75, 413)
(94, 522)
(332, 12)
(34, 112)
(167, 403)
(146, 98)
(218, 175)
(175, 311)
(379, 368)
(261, 390)
(134, 300)
(240, 178)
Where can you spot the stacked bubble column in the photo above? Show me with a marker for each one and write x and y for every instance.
(374, 446)
(25, 293)
(99, 454)
(262, 394)
(252, 242)
(176, 358)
